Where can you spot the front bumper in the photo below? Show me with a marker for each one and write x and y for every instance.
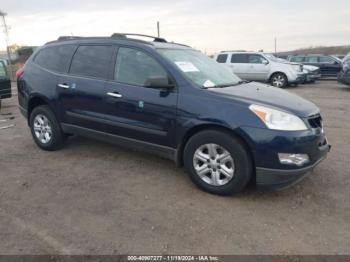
(300, 79)
(266, 144)
(312, 77)
(278, 179)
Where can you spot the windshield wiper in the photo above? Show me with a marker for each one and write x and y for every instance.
(243, 82)
(228, 85)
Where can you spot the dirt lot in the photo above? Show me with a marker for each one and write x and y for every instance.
(95, 198)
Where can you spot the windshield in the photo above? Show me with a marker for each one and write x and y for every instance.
(346, 58)
(200, 69)
(273, 58)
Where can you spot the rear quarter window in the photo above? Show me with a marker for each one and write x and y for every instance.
(222, 58)
(56, 58)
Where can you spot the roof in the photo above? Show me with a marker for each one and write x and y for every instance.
(121, 38)
(240, 52)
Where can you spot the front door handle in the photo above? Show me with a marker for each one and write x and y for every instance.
(114, 94)
(65, 86)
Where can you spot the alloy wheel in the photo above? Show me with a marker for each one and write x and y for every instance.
(278, 81)
(214, 164)
(42, 129)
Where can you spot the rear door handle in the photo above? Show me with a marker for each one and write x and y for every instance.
(114, 94)
(65, 86)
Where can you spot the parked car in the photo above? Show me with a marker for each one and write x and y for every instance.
(310, 73)
(5, 61)
(174, 101)
(344, 75)
(5, 83)
(329, 66)
(256, 66)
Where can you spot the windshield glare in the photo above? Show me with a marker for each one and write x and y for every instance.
(273, 58)
(200, 69)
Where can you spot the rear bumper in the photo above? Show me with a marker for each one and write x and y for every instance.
(279, 179)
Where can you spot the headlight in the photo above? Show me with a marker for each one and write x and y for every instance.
(346, 67)
(298, 68)
(278, 120)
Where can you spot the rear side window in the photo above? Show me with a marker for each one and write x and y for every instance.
(134, 67)
(56, 58)
(297, 59)
(311, 59)
(239, 58)
(222, 58)
(92, 61)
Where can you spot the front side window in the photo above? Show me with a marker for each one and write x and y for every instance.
(92, 61)
(134, 67)
(256, 59)
(3, 71)
(222, 58)
(56, 58)
(199, 68)
(326, 59)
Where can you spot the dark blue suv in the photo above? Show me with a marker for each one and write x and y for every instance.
(171, 100)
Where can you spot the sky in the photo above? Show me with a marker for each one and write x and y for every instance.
(208, 25)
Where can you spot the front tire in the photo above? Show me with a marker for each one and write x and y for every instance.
(45, 129)
(218, 162)
(279, 80)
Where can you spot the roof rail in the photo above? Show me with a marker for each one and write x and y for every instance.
(64, 38)
(115, 35)
(234, 51)
(125, 35)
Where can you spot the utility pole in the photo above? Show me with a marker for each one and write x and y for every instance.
(275, 45)
(158, 29)
(6, 31)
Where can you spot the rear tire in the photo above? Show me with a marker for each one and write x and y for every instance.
(45, 129)
(279, 80)
(218, 162)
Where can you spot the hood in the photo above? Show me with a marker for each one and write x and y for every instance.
(286, 62)
(257, 93)
(310, 67)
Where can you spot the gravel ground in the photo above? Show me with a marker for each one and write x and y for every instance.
(96, 198)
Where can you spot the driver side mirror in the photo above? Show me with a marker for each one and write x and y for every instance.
(335, 63)
(159, 82)
(265, 62)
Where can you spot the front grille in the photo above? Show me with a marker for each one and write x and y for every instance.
(315, 121)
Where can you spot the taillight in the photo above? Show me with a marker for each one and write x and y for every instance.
(19, 72)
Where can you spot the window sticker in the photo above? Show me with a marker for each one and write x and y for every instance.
(208, 84)
(187, 67)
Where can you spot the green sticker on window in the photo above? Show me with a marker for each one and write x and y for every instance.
(141, 104)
